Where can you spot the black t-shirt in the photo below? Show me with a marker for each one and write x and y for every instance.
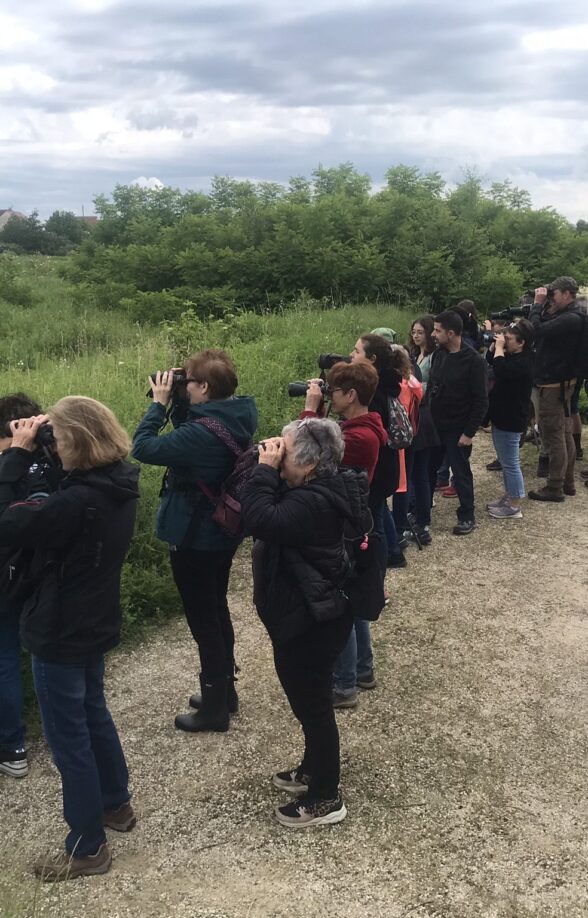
(509, 397)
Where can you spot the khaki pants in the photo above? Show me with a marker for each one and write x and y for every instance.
(556, 434)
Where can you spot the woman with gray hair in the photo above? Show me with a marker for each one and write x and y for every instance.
(297, 504)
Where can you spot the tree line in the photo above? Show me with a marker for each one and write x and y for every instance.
(332, 238)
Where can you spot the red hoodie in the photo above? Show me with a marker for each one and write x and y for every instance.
(363, 437)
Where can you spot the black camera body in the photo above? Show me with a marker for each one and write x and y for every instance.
(510, 313)
(44, 437)
(299, 389)
(179, 378)
(328, 361)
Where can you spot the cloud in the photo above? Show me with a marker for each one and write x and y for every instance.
(99, 91)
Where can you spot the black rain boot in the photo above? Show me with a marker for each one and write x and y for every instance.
(232, 697)
(213, 713)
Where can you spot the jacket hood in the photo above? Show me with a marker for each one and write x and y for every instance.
(238, 414)
(372, 420)
(348, 492)
(119, 481)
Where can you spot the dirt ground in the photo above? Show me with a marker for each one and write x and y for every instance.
(464, 771)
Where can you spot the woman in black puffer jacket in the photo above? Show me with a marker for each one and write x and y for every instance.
(296, 505)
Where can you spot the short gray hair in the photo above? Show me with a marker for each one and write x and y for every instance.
(316, 440)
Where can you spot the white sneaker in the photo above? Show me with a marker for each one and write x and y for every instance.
(15, 764)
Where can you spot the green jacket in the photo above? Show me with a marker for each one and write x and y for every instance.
(191, 452)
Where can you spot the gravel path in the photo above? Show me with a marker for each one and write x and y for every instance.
(464, 772)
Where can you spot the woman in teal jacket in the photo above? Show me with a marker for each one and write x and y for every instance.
(201, 552)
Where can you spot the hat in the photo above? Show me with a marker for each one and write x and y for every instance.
(388, 333)
(564, 283)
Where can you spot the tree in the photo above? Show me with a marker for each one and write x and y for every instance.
(65, 224)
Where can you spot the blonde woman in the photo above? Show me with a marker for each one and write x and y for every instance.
(77, 539)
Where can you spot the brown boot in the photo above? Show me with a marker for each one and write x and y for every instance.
(548, 494)
(122, 819)
(66, 866)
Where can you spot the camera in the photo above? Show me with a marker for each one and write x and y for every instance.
(510, 313)
(299, 389)
(44, 437)
(328, 361)
(179, 378)
(488, 338)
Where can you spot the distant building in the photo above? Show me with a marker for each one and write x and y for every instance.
(89, 221)
(6, 215)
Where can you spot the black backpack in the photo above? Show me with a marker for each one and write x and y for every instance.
(581, 355)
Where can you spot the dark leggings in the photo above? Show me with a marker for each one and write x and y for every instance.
(305, 668)
(202, 579)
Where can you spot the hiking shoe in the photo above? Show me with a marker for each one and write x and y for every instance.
(396, 561)
(293, 782)
(501, 502)
(122, 819)
(13, 762)
(367, 680)
(302, 813)
(464, 527)
(64, 866)
(345, 701)
(495, 466)
(449, 491)
(423, 533)
(569, 490)
(441, 485)
(547, 494)
(506, 512)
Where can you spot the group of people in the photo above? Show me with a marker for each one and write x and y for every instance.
(320, 496)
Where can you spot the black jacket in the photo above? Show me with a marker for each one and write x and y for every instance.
(557, 338)
(510, 395)
(300, 562)
(78, 537)
(457, 390)
(387, 472)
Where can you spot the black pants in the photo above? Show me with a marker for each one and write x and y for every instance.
(305, 668)
(202, 579)
(459, 460)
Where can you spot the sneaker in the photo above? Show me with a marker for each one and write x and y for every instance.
(386, 597)
(501, 502)
(506, 512)
(449, 491)
(299, 814)
(66, 866)
(14, 763)
(423, 533)
(396, 561)
(345, 701)
(402, 543)
(464, 527)
(547, 494)
(495, 466)
(293, 782)
(441, 485)
(367, 681)
(122, 819)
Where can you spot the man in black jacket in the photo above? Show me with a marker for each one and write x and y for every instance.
(457, 395)
(557, 322)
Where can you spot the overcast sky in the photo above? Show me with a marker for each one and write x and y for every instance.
(95, 92)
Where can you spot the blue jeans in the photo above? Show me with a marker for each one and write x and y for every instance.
(356, 659)
(506, 444)
(85, 748)
(12, 731)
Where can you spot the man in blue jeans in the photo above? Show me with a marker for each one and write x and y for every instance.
(458, 398)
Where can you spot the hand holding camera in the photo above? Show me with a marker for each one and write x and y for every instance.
(25, 432)
(271, 452)
(163, 384)
(315, 394)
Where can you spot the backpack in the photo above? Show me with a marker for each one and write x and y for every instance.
(227, 503)
(400, 430)
(581, 357)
